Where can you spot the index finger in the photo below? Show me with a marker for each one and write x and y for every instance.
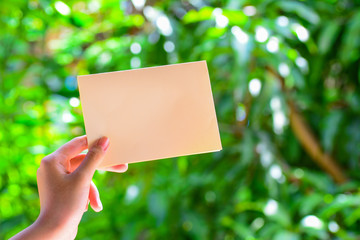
(73, 148)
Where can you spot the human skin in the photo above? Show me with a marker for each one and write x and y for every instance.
(65, 189)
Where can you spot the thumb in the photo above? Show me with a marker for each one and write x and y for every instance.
(92, 159)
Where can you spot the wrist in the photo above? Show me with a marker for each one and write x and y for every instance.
(45, 229)
(52, 228)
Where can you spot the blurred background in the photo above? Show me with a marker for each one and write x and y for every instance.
(285, 77)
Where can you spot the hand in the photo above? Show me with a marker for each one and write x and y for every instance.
(65, 189)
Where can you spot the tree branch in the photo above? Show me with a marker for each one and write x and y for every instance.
(307, 138)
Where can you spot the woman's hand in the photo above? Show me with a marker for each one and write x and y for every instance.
(65, 189)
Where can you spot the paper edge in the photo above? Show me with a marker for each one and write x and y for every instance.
(155, 159)
(137, 69)
(213, 102)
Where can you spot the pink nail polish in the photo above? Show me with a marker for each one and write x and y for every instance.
(100, 205)
(103, 143)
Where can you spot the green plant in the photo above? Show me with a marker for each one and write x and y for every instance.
(285, 78)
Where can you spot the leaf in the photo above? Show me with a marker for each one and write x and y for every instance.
(286, 235)
(198, 16)
(340, 203)
(331, 125)
(351, 40)
(301, 10)
(328, 36)
(158, 206)
(81, 19)
(310, 203)
(236, 17)
(353, 217)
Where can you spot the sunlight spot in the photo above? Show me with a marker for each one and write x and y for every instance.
(271, 207)
(135, 62)
(275, 172)
(55, 44)
(333, 227)
(217, 12)
(302, 64)
(104, 58)
(131, 193)
(74, 102)
(273, 45)
(261, 34)
(341, 198)
(173, 59)
(240, 113)
(279, 121)
(67, 117)
(138, 4)
(135, 48)
(282, 21)
(275, 103)
(301, 32)
(62, 8)
(249, 11)
(220, 19)
(260, 147)
(279, 118)
(163, 23)
(312, 222)
(240, 35)
(257, 223)
(169, 46)
(254, 87)
(94, 6)
(284, 70)
(266, 158)
(151, 13)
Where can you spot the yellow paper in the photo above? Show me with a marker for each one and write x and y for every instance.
(151, 113)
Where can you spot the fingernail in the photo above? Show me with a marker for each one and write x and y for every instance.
(103, 143)
(99, 203)
(101, 206)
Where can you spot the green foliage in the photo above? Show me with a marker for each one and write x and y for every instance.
(263, 185)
